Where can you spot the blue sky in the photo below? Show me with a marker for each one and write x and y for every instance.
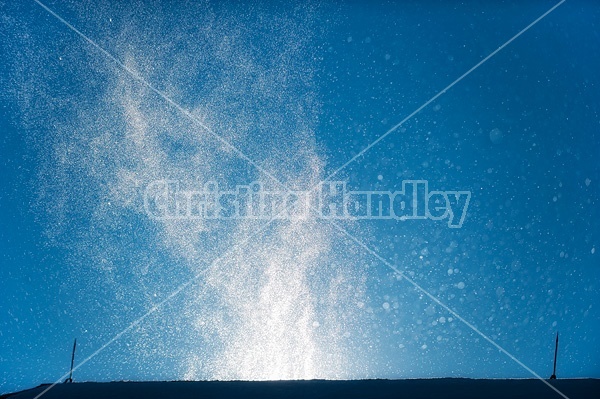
(300, 90)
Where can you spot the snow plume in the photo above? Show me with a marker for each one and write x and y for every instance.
(282, 305)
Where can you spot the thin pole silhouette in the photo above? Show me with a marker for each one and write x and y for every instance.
(70, 379)
(553, 376)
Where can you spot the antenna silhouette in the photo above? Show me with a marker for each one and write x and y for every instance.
(553, 376)
(70, 379)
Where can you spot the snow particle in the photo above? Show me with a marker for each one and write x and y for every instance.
(460, 285)
(496, 135)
